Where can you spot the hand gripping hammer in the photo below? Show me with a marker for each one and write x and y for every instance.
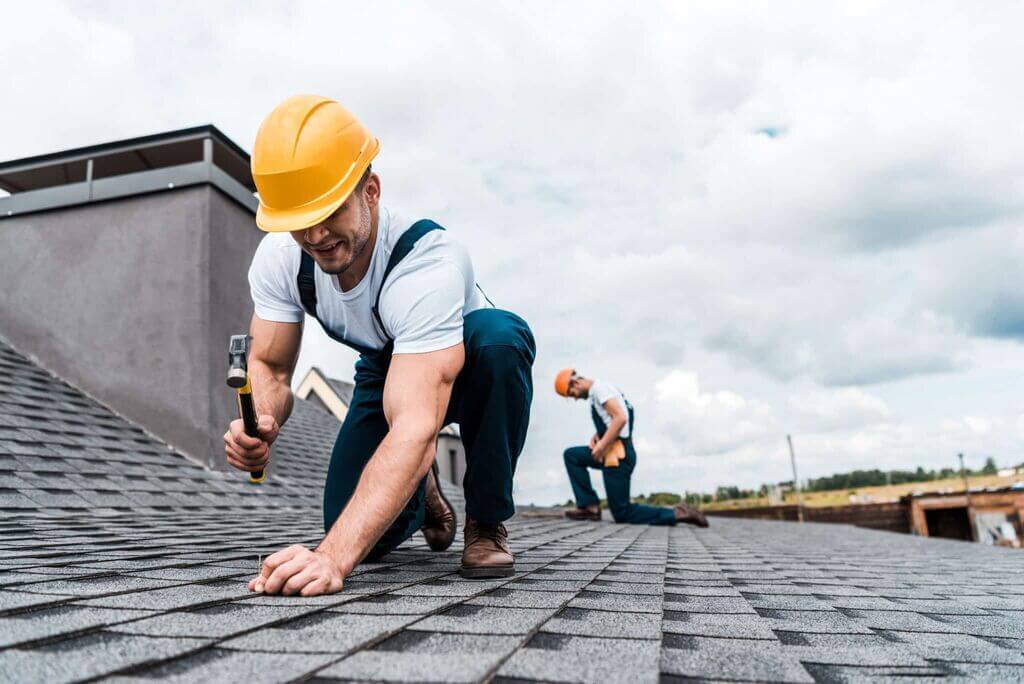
(238, 378)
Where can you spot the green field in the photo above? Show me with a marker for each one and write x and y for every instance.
(843, 497)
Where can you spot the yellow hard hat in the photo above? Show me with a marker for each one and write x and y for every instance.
(562, 381)
(310, 153)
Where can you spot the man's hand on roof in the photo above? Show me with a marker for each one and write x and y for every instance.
(297, 570)
(250, 453)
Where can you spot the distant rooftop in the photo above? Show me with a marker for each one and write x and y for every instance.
(152, 163)
(107, 572)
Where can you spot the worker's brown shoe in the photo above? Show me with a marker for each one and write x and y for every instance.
(689, 515)
(487, 554)
(585, 513)
(440, 522)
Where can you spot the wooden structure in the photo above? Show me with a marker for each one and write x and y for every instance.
(991, 516)
(891, 516)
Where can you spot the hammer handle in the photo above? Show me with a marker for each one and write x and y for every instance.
(247, 409)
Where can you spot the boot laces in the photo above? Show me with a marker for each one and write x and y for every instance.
(478, 530)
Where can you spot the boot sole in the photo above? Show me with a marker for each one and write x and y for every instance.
(455, 516)
(490, 572)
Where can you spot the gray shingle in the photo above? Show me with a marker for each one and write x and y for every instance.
(11, 600)
(391, 604)
(557, 658)
(703, 624)
(24, 627)
(96, 585)
(88, 656)
(414, 667)
(426, 656)
(518, 598)
(706, 604)
(820, 622)
(594, 600)
(600, 623)
(220, 665)
(467, 619)
(327, 632)
(957, 648)
(743, 662)
(171, 598)
(215, 621)
(741, 599)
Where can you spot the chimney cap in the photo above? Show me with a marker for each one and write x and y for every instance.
(128, 167)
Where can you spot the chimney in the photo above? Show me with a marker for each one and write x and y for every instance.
(124, 272)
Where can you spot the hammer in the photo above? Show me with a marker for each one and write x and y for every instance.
(238, 378)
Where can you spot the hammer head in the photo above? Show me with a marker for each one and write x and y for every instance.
(238, 353)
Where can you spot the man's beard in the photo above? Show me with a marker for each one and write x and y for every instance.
(359, 244)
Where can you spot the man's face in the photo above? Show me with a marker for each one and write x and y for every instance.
(576, 390)
(338, 241)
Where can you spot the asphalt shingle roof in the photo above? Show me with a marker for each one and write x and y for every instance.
(120, 559)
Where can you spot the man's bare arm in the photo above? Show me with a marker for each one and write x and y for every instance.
(416, 396)
(619, 420)
(275, 347)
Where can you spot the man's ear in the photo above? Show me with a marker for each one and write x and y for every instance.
(372, 190)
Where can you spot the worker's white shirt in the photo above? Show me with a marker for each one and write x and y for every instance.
(602, 391)
(421, 306)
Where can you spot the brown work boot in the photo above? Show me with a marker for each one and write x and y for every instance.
(487, 554)
(584, 513)
(440, 522)
(689, 515)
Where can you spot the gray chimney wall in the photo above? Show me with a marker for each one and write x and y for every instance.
(133, 300)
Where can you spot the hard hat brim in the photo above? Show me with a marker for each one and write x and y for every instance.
(271, 220)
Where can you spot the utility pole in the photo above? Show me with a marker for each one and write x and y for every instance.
(963, 474)
(967, 497)
(796, 481)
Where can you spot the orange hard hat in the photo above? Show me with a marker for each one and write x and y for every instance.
(562, 381)
(310, 154)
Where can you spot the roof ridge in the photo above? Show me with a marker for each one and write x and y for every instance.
(37, 362)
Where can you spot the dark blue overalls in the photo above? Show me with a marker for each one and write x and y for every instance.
(616, 480)
(490, 402)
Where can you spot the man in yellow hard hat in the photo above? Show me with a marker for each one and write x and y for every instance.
(611, 451)
(432, 350)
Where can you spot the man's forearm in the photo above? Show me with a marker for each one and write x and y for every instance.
(610, 435)
(273, 396)
(386, 485)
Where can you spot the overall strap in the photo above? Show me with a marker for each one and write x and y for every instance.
(402, 248)
(599, 425)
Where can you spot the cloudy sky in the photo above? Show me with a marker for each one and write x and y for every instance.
(754, 218)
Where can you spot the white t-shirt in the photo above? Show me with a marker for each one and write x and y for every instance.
(602, 391)
(422, 304)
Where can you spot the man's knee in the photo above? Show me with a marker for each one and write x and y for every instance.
(573, 455)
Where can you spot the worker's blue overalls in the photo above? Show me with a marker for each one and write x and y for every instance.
(616, 480)
(490, 402)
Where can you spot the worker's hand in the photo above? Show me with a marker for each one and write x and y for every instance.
(597, 451)
(593, 442)
(250, 453)
(297, 570)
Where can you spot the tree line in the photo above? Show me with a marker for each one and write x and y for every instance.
(854, 479)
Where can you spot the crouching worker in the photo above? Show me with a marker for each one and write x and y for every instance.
(611, 451)
(433, 350)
